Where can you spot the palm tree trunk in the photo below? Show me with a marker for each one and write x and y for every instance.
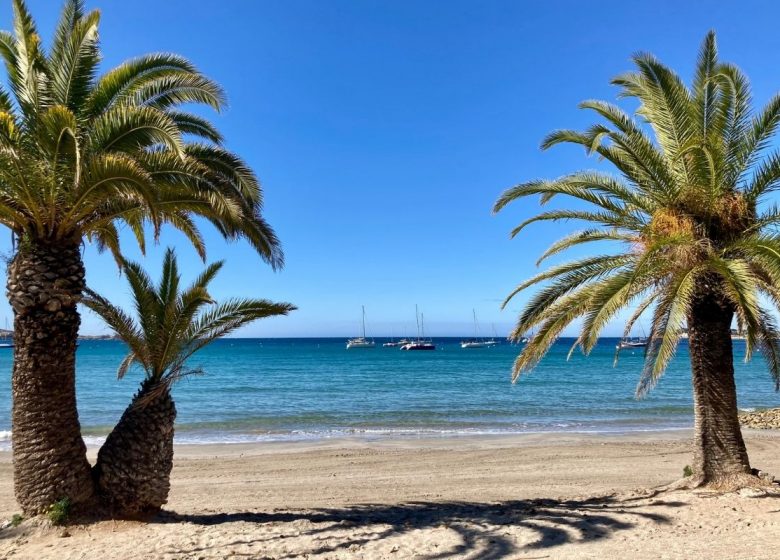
(720, 457)
(50, 459)
(133, 469)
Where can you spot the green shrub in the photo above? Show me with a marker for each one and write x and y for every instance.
(687, 471)
(16, 520)
(59, 511)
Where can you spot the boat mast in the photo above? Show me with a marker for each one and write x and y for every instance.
(364, 321)
(417, 317)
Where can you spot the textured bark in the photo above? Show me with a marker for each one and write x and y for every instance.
(50, 459)
(720, 456)
(133, 469)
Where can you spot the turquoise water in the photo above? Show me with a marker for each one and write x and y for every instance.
(271, 389)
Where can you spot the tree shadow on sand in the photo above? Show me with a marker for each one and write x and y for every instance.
(483, 528)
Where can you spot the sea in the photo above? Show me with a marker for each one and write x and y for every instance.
(259, 390)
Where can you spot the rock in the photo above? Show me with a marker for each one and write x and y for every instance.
(768, 419)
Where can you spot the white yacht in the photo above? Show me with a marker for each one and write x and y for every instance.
(421, 343)
(631, 343)
(396, 343)
(7, 341)
(361, 341)
(475, 342)
(493, 341)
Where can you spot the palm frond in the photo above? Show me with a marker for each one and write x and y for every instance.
(693, 165)
(75, 56)
(668, 319)
(173, 324)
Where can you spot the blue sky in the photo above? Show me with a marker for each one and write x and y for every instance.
(384, 131)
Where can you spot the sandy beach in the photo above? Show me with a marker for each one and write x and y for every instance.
(532, 496)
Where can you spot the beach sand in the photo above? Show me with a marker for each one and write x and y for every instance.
(532, 496)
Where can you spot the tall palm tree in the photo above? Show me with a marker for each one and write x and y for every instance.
(134, 465)
(692, 242)
(83, 155)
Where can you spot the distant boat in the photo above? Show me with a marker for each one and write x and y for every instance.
(635, 342)
(492, 341)
(475, 342)
(7, 341)
(627, 343)
(393, 343)
(361, 341)
(421, 343)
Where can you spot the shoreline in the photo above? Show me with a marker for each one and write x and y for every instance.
(422, 439)
(449, 443)
(444, 443)
(428, 440)
(197, 438)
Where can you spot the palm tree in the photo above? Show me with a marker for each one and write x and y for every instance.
(134, 465)
(694, 244)
(83, 155)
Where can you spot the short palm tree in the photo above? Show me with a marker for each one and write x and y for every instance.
(694, 244)
(134, 465)
(83, 155)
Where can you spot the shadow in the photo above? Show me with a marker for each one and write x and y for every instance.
(483, 528)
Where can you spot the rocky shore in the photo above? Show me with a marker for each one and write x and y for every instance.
(768, 419)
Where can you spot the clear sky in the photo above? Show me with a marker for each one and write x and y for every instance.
(384, 131)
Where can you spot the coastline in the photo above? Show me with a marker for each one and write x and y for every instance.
(393, 437)
(443, 442)
(556, 495)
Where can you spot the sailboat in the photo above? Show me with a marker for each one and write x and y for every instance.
(493, 341)
(474, 342)
(361, 341)
(631, 343)
(636, 342)
(6, 341)
(393, 343)
(421, 343)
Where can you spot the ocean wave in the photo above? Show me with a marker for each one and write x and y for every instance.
(192, 438)
(90, 441)
(5, 440)
(375, 433)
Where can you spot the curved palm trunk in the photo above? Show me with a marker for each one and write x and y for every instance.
(133, 469)
(50, 459)
(720, 456)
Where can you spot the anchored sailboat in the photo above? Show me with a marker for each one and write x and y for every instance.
(361, 341)
(636, 342)
(493, 341)
(6, 341)
(475, 342)
(421, 343)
